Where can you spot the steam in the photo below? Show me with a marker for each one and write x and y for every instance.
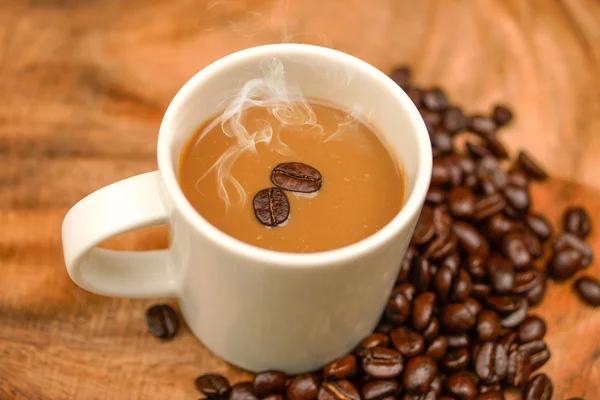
(283, 100)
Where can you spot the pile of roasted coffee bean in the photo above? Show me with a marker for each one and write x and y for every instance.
(458, 323)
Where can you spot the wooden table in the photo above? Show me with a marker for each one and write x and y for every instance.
(83, 85)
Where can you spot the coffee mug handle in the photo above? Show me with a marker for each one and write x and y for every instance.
(124, 206)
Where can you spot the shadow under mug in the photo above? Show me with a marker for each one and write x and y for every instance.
(255, 308)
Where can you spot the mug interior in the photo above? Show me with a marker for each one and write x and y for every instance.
(320, 73)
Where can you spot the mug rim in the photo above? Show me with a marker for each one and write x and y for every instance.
(407, 213)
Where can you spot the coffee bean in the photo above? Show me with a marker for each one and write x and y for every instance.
(435, 196)
(531, 167)
(567, 239)
(212, 385)
(539, 225)
(429, 395)
(379, 389)
(407, 290)
(515, 249)
(462, 286)
(402, 76)
(424, 230)
(338, 390)
(492, 177)
(477, 151)
(564, 263)
(162, 321)
(496, 147)
(519, 369)
(489, 205)
(437, 348)
(398, 308)
(470, 239)
(475, 266)
(243, 391)
(303, 387)
(442, 143)
(518, 178)
(501, 274)
(271, 207)
(382, 363)
(432, 330)
(502, 115)
(434, 100)
(420, 372)
(518, 198)
(508, 340)
(443, 283)
(480, 290)
(577, 221)
(488, 326)
(532, 328)
(498, 226)
(527, 279)
(373, 340)
(456, 360)
(588, 290)
(514, 318)
(407, 263)
(454, 120)
(461, 386)
(423, 310)
(491, 362)
(420, 275)
(491, 396)
(481, 125)
(341, 368)
(461, 202)
(457, 317)
(538, 388)
(458, 340)
(407, 341)
(296, 177)
(533, 244)
(540, 358)
(268, 382)
(440, 175)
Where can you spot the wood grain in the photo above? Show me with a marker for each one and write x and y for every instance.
(84, 83)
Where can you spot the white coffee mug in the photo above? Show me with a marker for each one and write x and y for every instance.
(258, 309)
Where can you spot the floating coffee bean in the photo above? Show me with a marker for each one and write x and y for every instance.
(481, 125)
(420, 372)
(588, 290)
(373, 340)
(538, 388)
(457, 317)
(271, 207)
(461, 202)
(564, 263)
(432, 329)
(162, 321)
(434, 100)
(296, 177)
(532, 168)
(243, 391)
(402, 76)
(454, 120)
(502, 115)
(532, 328)
(212, 385)
(338, 390)
(515, 249)
(577, 221)
(407, 341)
(491, 362)
(379, 389)
(398, 308)
(566, 240)
(456, 360)
(341, 368)
(303, 387)
(488, 326)
(437, 348)
(382, 363)
(423, 310)
(461, 386)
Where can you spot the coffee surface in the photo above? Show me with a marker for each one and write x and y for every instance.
(361, 189)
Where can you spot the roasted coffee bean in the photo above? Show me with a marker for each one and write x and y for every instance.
(435, 196)
(453, 262)
(532, 328)
(564, 263)
(538, 388)
(527, 279)
(533, 347)
(406, 266)
(539, 225)
(536, 294)
(502, 115)
(303, 387)
(488, 326)
(398, 308)
(496, 147)
(481, 125)
(373, 340)
(473, 306)
(518, 198)
(442, 222)
(407, 341)
(212, 385)
(271, 207)
(489, 205)
(531, 167)
(461, 288)
(577, 221)
(443, 283)
(461, 386)
(480, 290)
(567, 239)
(274, 397)
(491, 396)
(514, 318)
(495, 387)
(503, 304)
(519, 369)
(501, 274)
(458, 340)
(441, 247)
(296, 177)
(490, 172)
(432, 330)
(515, 249)
(456, 360)
(420, 372)
(454, 120)
(461, 202)
(491, 362)
(341, 368)
(384, 327)
(434, 100)
(420, 275)
(402, 76)
(533, 244)
(437, 348)
(508, 340)
(437, 384)
(243, 391)
(470, 239)
(268, 382)
(162, 321)
(457, 317)
(407, 290)
(498, 226)
(379, 389)
(588, 290)
(382, 363)
(518, 178)
(442, 143)
(429, 395)
(424, 230)
(440, 175)
(414, 94)
(338, 390)
(477, 151)
(540, 358)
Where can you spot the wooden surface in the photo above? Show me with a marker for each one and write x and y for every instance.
(83, 85)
